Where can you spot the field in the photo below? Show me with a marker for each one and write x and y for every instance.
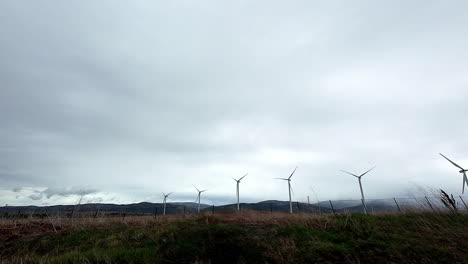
(248, 237)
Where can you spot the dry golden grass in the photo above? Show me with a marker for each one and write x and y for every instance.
(245, 237)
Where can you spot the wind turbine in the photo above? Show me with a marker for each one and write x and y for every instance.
(462, 170)
(237, 190)
(289, 188)
(164, 202)
(199, 196)
(360, 186)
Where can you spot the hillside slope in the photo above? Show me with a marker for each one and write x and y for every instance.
(244, 238)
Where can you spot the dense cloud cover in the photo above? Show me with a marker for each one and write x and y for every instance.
(123, 100)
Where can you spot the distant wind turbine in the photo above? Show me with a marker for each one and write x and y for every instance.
(289, 188)
(360, 186)
(462, 170)
(199, 197)
(237, 190)
(164, 202)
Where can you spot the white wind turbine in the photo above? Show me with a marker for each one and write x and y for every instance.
(462, 170)
(164, 202)
(199, 197)
(360, 186)
(237, 190)
(289, 188)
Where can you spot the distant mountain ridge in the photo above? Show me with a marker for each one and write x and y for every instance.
(145, 208)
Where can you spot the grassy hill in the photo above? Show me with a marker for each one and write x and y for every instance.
(249, 237)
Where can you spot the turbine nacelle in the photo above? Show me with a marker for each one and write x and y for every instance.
(358, 176)
(240, 178)
(290, 176)
(284, 179)
(199, 190)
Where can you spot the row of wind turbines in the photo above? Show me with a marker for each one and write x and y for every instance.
(359, 177)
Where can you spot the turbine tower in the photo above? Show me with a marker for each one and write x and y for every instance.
(199, 197)
(164, 202)
(289, 188)
(237, 190)
(360, 186)
(462, 170)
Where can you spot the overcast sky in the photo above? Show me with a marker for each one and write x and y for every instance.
(123, 100)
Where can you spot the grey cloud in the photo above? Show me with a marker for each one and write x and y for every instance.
(95, 200)
(138, 98)
(49, 192)
(63, 192)
(36, 196)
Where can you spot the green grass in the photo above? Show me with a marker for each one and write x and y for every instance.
(411, 238)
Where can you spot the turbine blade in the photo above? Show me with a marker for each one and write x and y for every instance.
(204, 191)
(367, 172)
(350, 173)
(456, 165)
(292, 191)
(465, 181)
(243, 177)
(164, 194)
(292, 173)
(282, 179)
(169, 194)
(195, 187)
